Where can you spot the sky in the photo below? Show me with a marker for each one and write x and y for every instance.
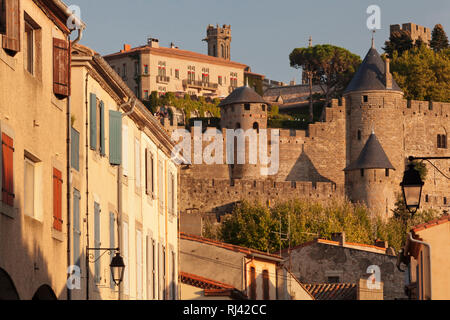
(264, 32)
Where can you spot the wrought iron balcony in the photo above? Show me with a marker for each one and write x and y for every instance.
(200, 84)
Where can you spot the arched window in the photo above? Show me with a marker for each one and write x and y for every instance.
(442, 141)
(256, 127)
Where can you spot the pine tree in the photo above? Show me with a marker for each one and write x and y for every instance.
(439, 39)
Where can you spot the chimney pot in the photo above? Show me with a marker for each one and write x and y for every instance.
(388, 74)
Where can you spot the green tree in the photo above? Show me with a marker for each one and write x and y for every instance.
(399, 41)
(439, 40)
(329, 66)
(423, 74)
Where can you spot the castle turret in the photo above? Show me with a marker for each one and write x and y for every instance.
(244, 109)
(219, 40)
(373, 103)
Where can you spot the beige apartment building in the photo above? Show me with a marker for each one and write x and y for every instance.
(155, 68)
(124, 188)
(34, 64)
(426, 254)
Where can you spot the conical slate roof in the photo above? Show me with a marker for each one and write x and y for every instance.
(241, 95)
(372, 156)
(371, 75)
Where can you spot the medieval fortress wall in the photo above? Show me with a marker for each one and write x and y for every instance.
(311, 162)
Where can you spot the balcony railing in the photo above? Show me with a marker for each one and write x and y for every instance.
(200, 84)
(162, 79)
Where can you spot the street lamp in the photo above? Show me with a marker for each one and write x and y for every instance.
(412, 183)
(412, 186)
(117, 268)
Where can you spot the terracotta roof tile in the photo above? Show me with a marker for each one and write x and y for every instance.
(431, 224)
(183, 54)
(228, 246)
(203, 283)
(333, 291)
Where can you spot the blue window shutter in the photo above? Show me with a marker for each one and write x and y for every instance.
(97, 241)
(76, 227)
(111, 242)
(93, 121)
(115, 137)
(75, 151)
(102, 129)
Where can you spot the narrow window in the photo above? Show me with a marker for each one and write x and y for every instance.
(362, 172)
(445, 200)
(76, 227)
(256, 127)
(366, 98)
(426, 198)
(263, 107)
(28, 44)
(75, 149)
(247, 106)
(97, 243)
(266, 294)
(29, 187)
(387, 172)
(252, 294)
(359, 135)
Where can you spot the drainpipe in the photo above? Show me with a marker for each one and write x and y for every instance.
(120, 188)
(87, 185)
(69, 155)
(429, 259)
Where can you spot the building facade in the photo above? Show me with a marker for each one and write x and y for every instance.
(34, 64)
(426, 255)
(256, 275)
(155, 68)
(124, 188)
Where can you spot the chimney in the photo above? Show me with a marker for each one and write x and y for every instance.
(153, 43)
(388, 74)
(126, 48)
(339, 237)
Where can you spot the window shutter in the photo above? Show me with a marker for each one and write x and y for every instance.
(97, 241)
(93, 120)
(266, 280)
(57, 199)
(125, 150)
(102, 129)
(11, 22)
(8, 170)
(115, 137)
(112, 243)
(76, 227)
(148, 173)
(61, 65)
(169, 190)
(75, 150)
(137, 162)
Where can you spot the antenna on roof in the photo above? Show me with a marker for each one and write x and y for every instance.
(373, 38)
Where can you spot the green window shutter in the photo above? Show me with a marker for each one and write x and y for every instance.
(97, 242)
(93, 121)
(102, 129)
(111, 242)
(75, 151)
(115, 137)
(76, 227)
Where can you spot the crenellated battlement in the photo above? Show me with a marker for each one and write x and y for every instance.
(219, 195)
(426, 108)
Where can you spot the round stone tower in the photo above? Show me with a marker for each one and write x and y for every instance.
(374, 162)
(246, 110)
